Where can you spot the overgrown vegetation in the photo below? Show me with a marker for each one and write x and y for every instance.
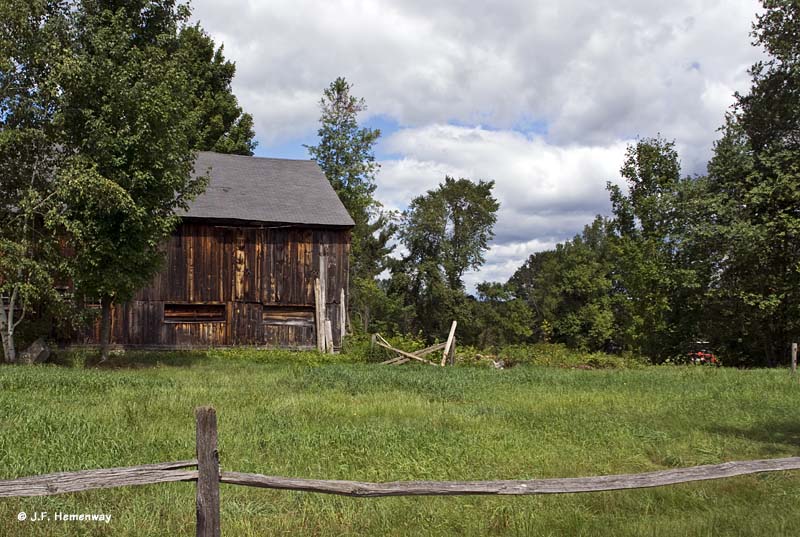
(680, 262)
(359, 421)
(102, 105)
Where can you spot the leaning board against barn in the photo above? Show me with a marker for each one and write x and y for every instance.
(240, 269)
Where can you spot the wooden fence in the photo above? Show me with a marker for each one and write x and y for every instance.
(208, 477)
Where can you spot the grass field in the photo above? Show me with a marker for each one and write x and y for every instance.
(374, 423)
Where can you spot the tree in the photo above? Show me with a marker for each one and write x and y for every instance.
(221, 125)
(647, 247)
(571, 290)
(451, 226)
(754, 181)
(631, 282)
(446, 232)
(127, 123)
(770, 113)
(345, 151)
(532, 282)
(500, 316)
(345, 154)
(32, 37)
(367, 296)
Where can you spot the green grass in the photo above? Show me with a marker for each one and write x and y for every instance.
(295, 415)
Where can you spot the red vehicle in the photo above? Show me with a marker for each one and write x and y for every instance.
(701, 355)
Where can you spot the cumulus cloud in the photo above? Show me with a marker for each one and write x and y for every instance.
(546, 192)
(591, 71)
(539, 96)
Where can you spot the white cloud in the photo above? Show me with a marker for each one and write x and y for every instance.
(588, 76)
(593, 72)
(547, 193)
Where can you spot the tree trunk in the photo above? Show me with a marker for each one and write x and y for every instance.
(365, 319)
(105, 327)
(7, 332)
(9, 350)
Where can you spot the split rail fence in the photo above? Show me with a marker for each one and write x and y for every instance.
(448, 349)
(208, 477)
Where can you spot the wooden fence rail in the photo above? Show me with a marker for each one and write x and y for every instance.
(515, 487)
(63, 482)
(208, 477)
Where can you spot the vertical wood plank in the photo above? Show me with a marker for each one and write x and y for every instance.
(323, 314)
(323, 278)
(794, 358)
(319, 321)
(190, 240)
(239, 266)
(449, 343)
(208, 519)
(342, 316)
(328, 337)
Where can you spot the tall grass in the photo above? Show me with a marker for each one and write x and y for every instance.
(294, 415)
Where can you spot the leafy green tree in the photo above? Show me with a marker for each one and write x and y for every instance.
(445, 232)
(500, 316)
(221, 125)
(451, 226)
(127, 122)
(650, 277)
(754, 186)
(571, 290)
(32, 37)
(532, 282)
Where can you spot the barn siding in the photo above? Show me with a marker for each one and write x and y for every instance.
(245, 268)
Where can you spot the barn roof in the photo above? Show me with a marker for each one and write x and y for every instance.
(274, 190)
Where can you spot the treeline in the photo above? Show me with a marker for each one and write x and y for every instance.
(713, 258)
(681, 260)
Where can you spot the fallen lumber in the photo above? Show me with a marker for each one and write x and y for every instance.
(404, 353)
(429, 350)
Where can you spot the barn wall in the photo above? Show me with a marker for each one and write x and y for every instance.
(262, 278)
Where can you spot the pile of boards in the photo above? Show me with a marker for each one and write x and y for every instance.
(448, 351)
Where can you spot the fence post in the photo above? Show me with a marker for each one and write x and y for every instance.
(208, 473)
(794, 358)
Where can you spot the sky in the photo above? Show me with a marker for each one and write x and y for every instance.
(541, 97)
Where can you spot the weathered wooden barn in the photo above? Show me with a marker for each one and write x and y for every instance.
(242, 266)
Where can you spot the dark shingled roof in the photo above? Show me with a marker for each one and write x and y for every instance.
(259, 189)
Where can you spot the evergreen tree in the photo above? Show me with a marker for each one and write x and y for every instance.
(345, 151)
(345, 154)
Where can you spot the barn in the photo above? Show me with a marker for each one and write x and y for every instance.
(260, 259)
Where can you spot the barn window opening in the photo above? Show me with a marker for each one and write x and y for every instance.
(194, 313)
(289, 316)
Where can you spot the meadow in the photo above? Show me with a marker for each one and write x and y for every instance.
(304, 415)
